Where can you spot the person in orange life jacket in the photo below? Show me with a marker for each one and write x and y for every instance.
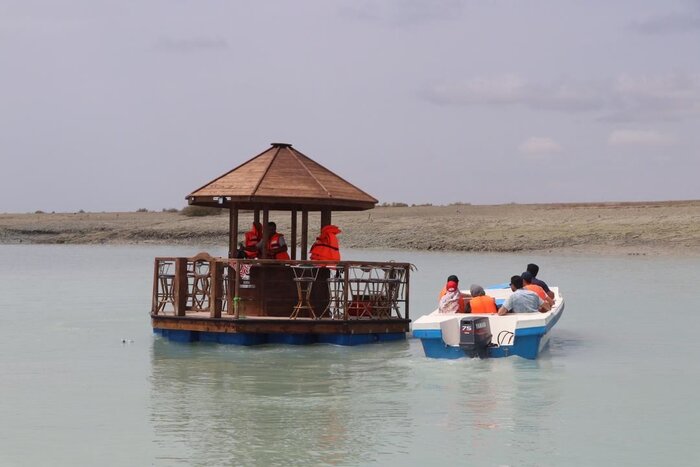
(251, 240)
(453, 283)
(326, 247)
(276, 246)
(480, 302)
(534, 269)
(529, 285)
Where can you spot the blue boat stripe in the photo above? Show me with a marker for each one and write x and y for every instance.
(427, 333)
(533, 331)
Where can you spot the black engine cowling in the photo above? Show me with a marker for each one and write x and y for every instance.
(475, 335)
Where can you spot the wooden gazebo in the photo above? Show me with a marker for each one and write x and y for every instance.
(297, 301)
(281, 179)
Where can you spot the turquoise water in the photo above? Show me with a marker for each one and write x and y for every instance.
(617, 387)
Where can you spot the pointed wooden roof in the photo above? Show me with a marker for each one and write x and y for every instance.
(282, 178)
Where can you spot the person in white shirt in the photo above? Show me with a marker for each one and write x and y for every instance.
(522, 300)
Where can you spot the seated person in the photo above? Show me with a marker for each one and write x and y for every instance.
(522, 300)
(276, 245)
(251, 240)
(454, 279)
(326, 246)
(534, 269)
(480, 302)
(451, 301)
(529, 285)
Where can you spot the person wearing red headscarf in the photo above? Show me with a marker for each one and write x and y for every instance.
(451, 300)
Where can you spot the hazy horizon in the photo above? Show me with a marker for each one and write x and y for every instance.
(387, 204)
(110, 106)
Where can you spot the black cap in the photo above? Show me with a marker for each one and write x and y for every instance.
(527, 276)
(452, 278)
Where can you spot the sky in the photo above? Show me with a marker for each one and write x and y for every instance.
(121, 105)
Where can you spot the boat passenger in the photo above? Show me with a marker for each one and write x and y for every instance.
(251, 240)
(522, 300)
(527, 284)
(452, 300)
(326, 246)
(276, 245)
(534, 269)
(454, 279)
(480, 302)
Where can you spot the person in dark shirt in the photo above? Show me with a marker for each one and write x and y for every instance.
(534, 269)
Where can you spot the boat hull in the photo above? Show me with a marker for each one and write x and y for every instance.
(250, 331)
(247, 338)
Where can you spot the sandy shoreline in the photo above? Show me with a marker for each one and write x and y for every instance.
(646, 228)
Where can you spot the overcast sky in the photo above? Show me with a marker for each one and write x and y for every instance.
(119, 105)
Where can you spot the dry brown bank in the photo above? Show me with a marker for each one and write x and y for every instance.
(632, 228)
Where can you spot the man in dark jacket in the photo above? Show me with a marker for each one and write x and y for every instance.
(534, 269)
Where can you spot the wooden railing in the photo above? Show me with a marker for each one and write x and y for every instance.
(345, 290)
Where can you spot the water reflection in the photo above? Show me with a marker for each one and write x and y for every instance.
(278, 404)
(337, 405)
(564, 342)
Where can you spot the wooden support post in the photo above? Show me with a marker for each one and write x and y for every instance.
(230, 290)
(325, 218)
(237, 291)
(266, 232)
(154, 301)
(180, 286)
(256, 215)
(293, 254)
(346, 290)
(406, 291)
(304, 233)
(233, 231)
(216, 286)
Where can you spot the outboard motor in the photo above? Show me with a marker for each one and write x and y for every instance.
(475, 336)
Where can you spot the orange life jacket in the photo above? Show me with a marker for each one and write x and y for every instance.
(483, 304)
(326, 247)
(252, 238)
(274, 242)
(538, 290)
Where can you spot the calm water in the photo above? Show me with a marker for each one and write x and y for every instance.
(618, 386)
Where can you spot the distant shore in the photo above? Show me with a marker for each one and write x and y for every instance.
(645, 228)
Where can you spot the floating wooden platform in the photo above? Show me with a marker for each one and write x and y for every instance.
(298, 302)
(256, 301)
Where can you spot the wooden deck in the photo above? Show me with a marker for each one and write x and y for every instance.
(204, 294)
